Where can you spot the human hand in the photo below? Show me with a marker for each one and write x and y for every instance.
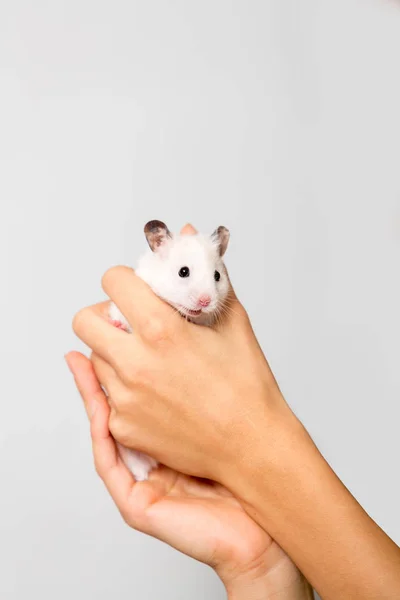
(204, 402)
(198, 517)
(173, 385)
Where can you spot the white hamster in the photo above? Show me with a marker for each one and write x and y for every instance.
(188, 272)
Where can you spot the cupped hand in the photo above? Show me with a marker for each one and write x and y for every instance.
(198, 517)
(198, 399)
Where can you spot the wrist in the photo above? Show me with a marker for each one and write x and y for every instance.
(281, 582)
(273, 444)
(289, 489)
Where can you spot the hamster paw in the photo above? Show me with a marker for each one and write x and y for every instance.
(119, 325)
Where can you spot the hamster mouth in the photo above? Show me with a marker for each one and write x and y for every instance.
(189, 312)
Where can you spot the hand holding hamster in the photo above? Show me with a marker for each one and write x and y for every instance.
(187, 271)
(203, 401)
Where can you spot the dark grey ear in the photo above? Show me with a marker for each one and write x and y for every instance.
(221, 236)
(157, 233)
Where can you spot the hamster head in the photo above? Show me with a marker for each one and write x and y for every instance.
(187, 271)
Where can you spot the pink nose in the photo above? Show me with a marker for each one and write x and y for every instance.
(204, 300)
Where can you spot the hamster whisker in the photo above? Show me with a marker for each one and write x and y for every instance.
(229, 310)
(226, 306)
(219, 314)
(225, 310)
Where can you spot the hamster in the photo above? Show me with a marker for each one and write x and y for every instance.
(187, 271)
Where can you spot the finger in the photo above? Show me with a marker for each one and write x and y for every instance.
(105, 373)
(109, 465)
(92, 326)
(85, 380)
(148, 314)
(102, 368)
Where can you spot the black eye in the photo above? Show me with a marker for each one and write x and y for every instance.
(184, 272)
(217, 275)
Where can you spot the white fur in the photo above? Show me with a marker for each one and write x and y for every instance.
(137, 462)
(160, 269)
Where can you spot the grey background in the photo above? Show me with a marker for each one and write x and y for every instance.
(277, 119)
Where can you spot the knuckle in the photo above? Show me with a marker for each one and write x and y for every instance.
(123, 402)
(127, 372)
(114, 424)
(134, 375)
(155, 329)
(121, 431)
(124, 438)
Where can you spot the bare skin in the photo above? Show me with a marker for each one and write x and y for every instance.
(205, 402)
(200, 518)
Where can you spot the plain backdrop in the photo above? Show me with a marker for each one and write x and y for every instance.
(278, 119)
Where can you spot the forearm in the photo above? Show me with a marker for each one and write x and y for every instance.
(298, 499)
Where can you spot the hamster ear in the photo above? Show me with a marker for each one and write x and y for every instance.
(157, 233)
(221, 237)
(188, 229)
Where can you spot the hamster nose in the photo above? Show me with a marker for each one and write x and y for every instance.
(204, 300)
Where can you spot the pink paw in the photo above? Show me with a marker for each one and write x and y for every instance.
(119, 324)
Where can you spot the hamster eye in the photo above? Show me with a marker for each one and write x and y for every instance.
(217, 275)
(184, 272)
